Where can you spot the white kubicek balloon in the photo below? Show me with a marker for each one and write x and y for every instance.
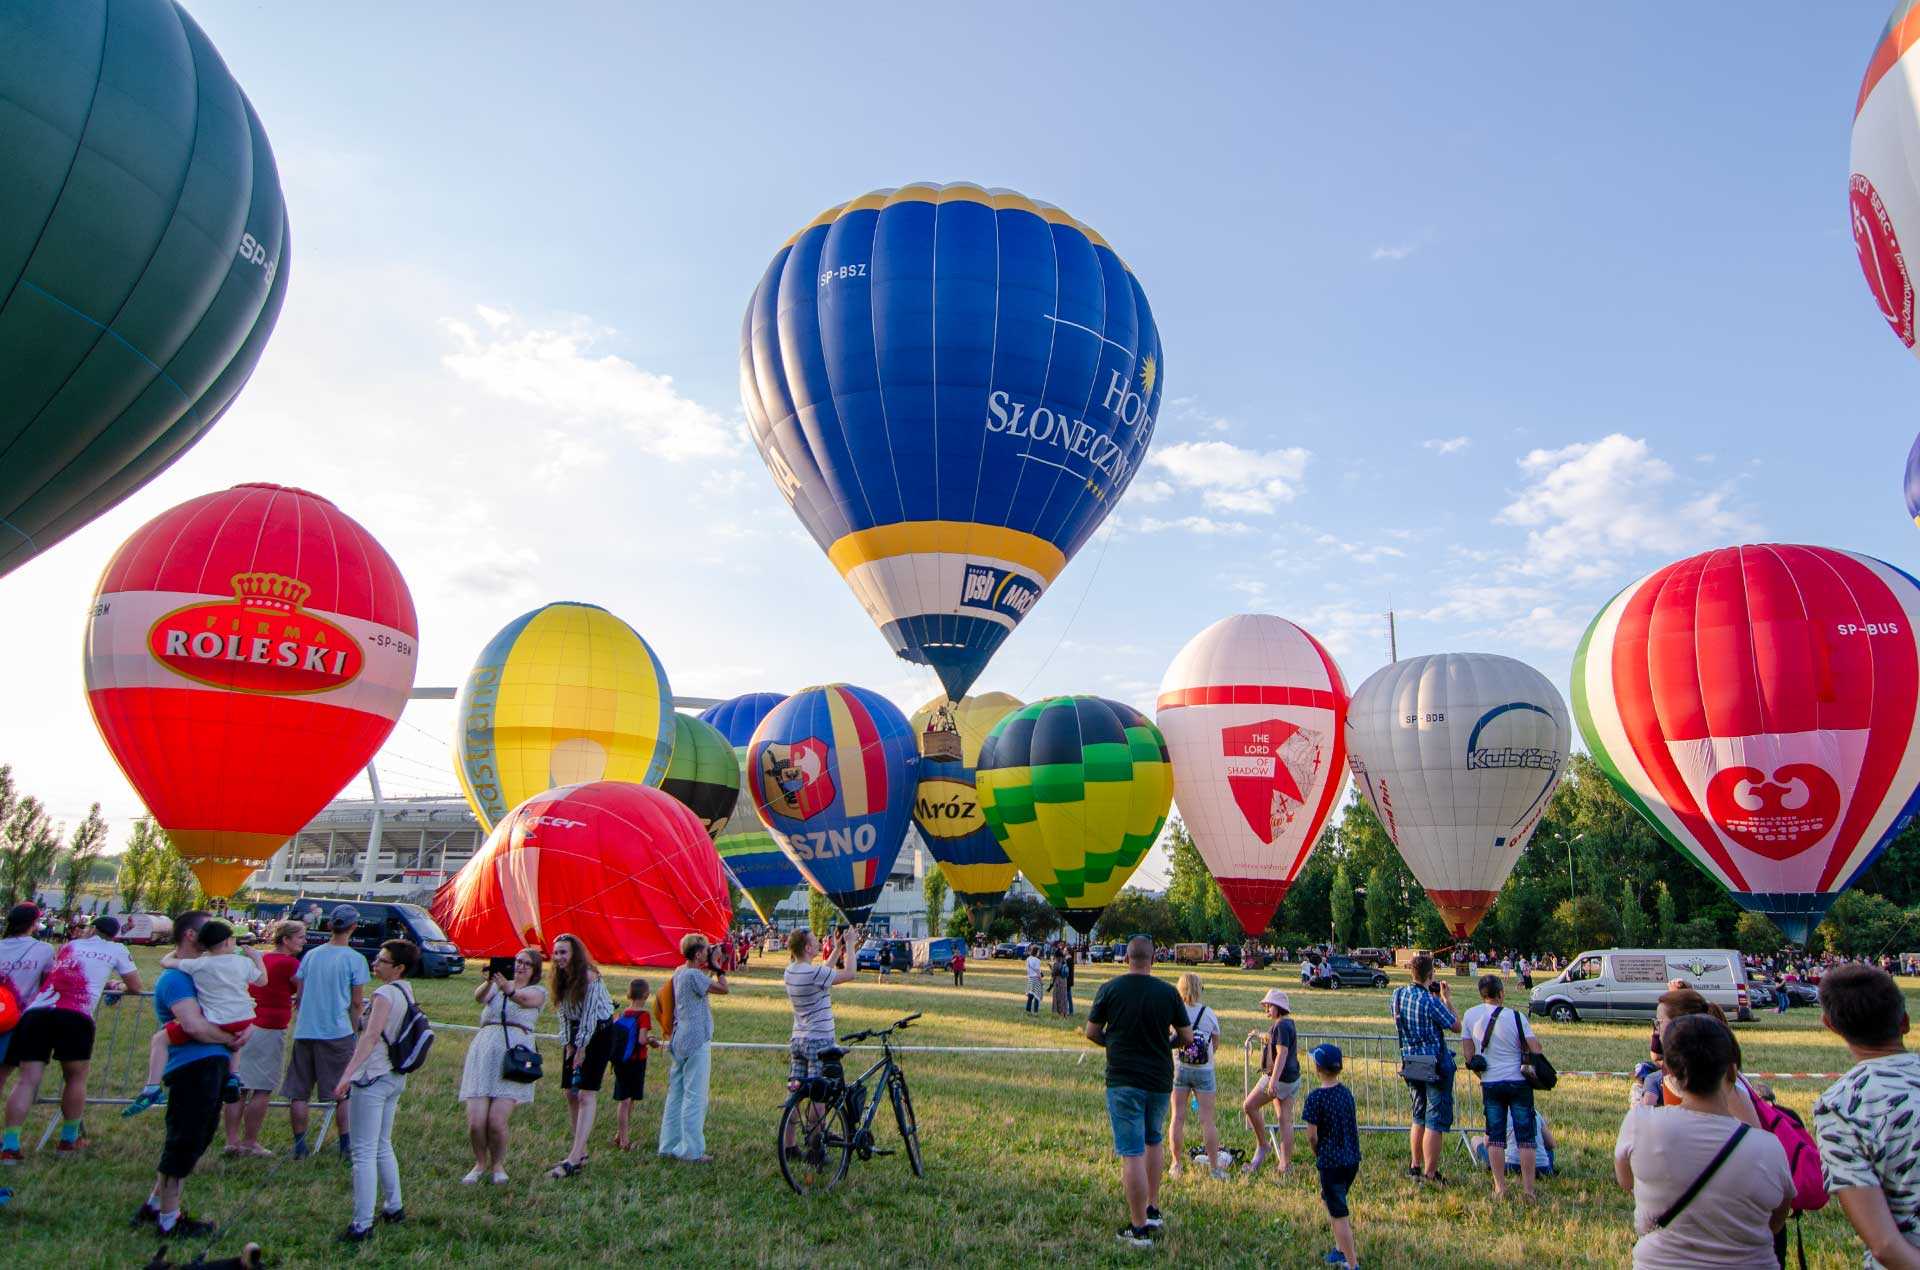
(1459, 753)
(1252, 710)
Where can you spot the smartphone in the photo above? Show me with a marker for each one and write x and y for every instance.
(502, 966)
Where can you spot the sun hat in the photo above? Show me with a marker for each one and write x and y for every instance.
(1278, 998)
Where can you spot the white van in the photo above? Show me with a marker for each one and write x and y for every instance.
(146, 928)
(1626, 983)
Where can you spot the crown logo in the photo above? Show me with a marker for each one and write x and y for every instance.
(270, 592)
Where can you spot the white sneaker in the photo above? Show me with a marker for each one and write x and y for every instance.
(473, 1176)
(499, 1178)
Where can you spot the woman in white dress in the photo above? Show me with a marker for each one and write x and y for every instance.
(509, 1009)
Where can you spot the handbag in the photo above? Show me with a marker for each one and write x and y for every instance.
(1478, 1063)
(1417, 1069)
(521, 1063)
(1536, 1069)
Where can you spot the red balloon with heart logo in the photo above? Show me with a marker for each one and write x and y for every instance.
(1760, 706)
(626, 868)
(247, 654)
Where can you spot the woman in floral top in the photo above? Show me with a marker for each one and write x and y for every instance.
(586, 1030)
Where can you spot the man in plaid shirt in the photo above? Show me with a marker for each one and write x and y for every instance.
(1423, 1015)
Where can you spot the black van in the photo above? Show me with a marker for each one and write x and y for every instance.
(379, 922)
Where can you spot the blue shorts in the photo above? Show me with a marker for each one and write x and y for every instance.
(1334, 1183)
(1139, 1119)
(1199, 1079)
(1433, 1103)
(1504, 1098)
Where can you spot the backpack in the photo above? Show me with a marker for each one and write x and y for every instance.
(1803, 1157)
(626, 1039)
(1197, 1053)
(663, 1009)
(407, 1051)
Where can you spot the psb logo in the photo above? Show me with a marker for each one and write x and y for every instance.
(262, 641)
(796, 778)
(1777, 818)
(999, 590)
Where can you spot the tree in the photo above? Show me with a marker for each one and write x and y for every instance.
(1137, 913)
(822, 916)
(934, 890)
(136, 875)
(1385, 919)
(1666, 919)
(959, 923)
(84, 848)
(29, 845)
(1026, 916)
(1430, 929)
(1343, 903)
(1755, 936)
(1581, 923)
(1860, 925)
(1634, 929)
(1192, 895)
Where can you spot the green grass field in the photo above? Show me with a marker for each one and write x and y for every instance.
(1019, 1169)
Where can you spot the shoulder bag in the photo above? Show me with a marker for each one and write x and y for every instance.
(1417, 1069)
(1687, 1196)
(1536, 1069)
(1478, 1063)
(521, 1063)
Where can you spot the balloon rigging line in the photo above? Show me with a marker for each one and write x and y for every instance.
(1075, 616)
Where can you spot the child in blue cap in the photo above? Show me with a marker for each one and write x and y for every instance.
(1333, 1130)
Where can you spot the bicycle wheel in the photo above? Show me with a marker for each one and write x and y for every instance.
(822, 1137)
(909, 1127)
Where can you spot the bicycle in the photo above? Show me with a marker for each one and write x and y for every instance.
(829, 1120)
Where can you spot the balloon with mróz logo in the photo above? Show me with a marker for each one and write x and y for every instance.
(952, 386)
(1757, 704)
(246, 655)
(748, 852)
(143, 255)
(627, 868)
(1076, 789)
(946, 806)
(1254, 713)
(832, 771)
(1459, 754)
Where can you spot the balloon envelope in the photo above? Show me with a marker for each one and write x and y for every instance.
(1253, 709)
(563, 695)
(946, 806)
(626, 868)
(1459, 754)
(1913, 481)
(143, 255)
(1757, 705)
(831, 770)
(247, 653)
(1076, 789)
(751, 857)
(952, 386)
(1883, 192)
(703, 773)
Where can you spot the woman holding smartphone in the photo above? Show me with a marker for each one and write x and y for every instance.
(509, 1009)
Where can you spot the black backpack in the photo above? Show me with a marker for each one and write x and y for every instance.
(407, 1051)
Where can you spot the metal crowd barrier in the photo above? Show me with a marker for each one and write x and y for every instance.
(1371, 1072)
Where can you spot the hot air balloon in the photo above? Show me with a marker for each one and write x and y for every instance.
(952, 387)
(1254, 710)
(832, 771)
(627, 868)
(946, 806)
(703, 773)
(751, 857)
(1757, 705)
(247, 653)
(1459, 754)
(564, 695)
(1913, 481)
(143, 255)
(1076, 790)
(1883, 196)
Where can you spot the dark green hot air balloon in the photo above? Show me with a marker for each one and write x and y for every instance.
(703, 773)
(143, 254)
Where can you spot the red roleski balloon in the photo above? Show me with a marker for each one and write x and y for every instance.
(247, 653)
(626, 868)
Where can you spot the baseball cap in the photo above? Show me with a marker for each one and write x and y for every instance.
(344, 916)
(106, 926)
(1327, 1056)
(214, 931)
(1276, 997)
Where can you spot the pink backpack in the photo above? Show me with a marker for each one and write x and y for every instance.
(1803, 1157)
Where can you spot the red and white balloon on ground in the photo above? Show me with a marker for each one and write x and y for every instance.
(1757, 704)
(1459, 754)
(626, 868)
(1253, 709)
(247, 653)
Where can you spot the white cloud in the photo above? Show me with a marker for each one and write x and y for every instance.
(1589, 506)
(1447, 445)
(1358, 553)
(1482, 603)
(1149, 492)
(1192, 524)
(1395, 252)
(1233, 479)
(556, 369)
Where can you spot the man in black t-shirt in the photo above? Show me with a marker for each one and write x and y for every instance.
(1140, 1020)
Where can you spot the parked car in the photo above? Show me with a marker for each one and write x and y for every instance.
(1100, 952)
(1374, 956)
(869, 958)
(936, 954)
(379, 922)
(1340, 971)
(1117, 950)
(1626, 983)
(1009, 952)
(1797, 993)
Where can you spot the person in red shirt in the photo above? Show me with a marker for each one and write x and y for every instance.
(632, 1038)
(258, 1064)
(959, 968)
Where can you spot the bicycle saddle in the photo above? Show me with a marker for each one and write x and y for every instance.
(831, 1054)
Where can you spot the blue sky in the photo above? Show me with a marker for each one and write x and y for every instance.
(1474, 313)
